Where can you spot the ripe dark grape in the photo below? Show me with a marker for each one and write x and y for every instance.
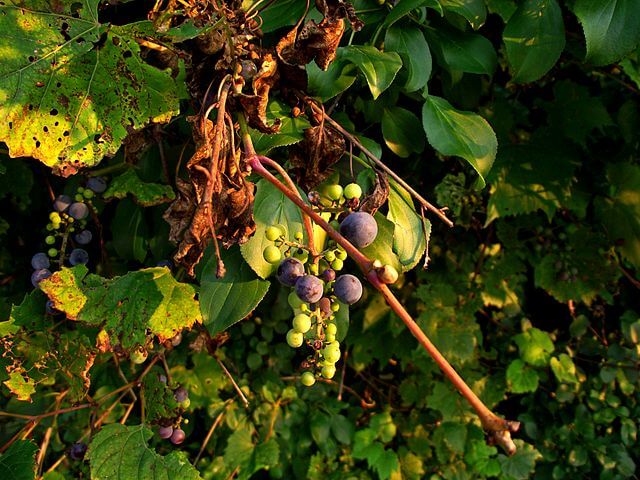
(77, 256)
(181, 394)
(347, 289)
(178, 436)
(61, 203)
(77, 451)
(309, 288)
(78, 210)
(165, 432)
(325, 306)
(84, 237)
(40, 261)
(39, 275)
(49, 308)
(289, 270)
(360, 228)
(97, 184)
(329, 275)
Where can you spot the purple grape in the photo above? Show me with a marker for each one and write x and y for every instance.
(289, 270)
(49, 308)
(97, 184)
(178, 436)
(77, 451)
(84, 237)
(347, 289)
(77, 256)
(325, 306)
(39, 275)
(61, 203)
(181, 394)
(78, 210)
(40, 261)
(165, 432)
(360, 228)
(309, 288)
(329, 275)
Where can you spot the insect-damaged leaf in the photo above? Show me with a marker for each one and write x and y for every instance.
(58, 99)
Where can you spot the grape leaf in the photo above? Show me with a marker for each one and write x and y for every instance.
(534, 39)
(57, 93)
(611, 28)
(145, 194)
(227, 300)
(21, 386)
(290, 132)
(463, 51)
(401, 131)
(382, 247)
(408, 41)
(519, 466)
(563, 368)
(120, 452)
(242, 452)
(204, 380)
(328, 83)
(159, 400)
(474, 11)
(19, 461)
(379, 68)
(535, 347)
(409, 237)
(127, 307)
(521, 378)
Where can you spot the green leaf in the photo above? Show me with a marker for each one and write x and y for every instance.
(563, 368)
(473, 10)
(130, 231)
(159, 400)
(463, 134)
(382, 247)
(58, 96)
(227, 300)
(291, 129)
(19, 461)
(270, 207)
(504, 8)
(520, 466)
(379, 68)
(521, 378)
(534, 39)
(463, 51)
(120, 452)
(326, 84)
(611, 28)
(342, 429)
(242, 452)
(620, 211)
(145, 194)
(409, 237)
(401, 131)
(404, 7)
(408, 41)
(30, 314)
(281, 14)
(127, 307)
(535, 347)
(21, 386)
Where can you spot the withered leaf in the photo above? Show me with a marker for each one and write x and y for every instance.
(378, 197)
(255, 106)
(312, 158)
(336, 9)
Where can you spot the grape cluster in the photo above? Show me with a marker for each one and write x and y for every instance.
(173, 432)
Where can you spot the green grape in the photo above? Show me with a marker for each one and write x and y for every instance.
(50, 240)
(298, 236)
(328, 371)
(301, 255)
(352, 190)
(294, 339)
(313, 269)
(52, 252)
(55, 217)
(337, 264)
(334, 192)
(330, 337)
(329, 256)
(138, 356)
(88, 194)
(335, 224)
(301, 323)
(185, 403)
(273, 233)
(307, 379)
(335, 306)
(80, 190)
(78, 197)
(332, 329)
(341, 254)
(294, 300)
(331, 355)
(272, 254)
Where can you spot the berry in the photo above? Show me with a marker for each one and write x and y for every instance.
(298, 236)
(331, 354)
(181, 394)
(178, 436)
(248, 70)
(273, 233)
(77, 256)
(50, 240)
(39, 275)
(334, 192)
(331, 329)
(88, 194)
(341, 254)
(77, 451)
(325, 306)
(162, 378)
(360, 228)
(55, 217)
(347, 289)
(387, 274)
(96, 184)
(329, 275)
(138, 355)
(301, 323)
(50, 309)
(40, 261)
(329, 256)
(294, 339)
(337, 264)
(328, 371)
(52, 252)
(272, 254)
(289, 270)
(79, 210)
(352, 190)
(61, 203)
(309, 288)
(165, 432)
(330, 338)
(84, 237)
(301, 255)
(307, 379)
(176, 339)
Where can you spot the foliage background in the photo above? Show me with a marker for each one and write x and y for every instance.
(532, 295)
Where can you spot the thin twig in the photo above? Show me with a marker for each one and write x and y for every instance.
(342, 375)
(216, 422)
(233, 382)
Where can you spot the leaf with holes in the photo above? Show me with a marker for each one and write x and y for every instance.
(71, 88)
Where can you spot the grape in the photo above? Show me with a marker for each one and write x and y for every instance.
(50, 240)
(77, 451)
(301, 255)
(325, 306)
(181, 394)
(52, 252)
(329, 275)
(84, 237)
(165, 432)
(332, 329)
(77, 256)
(61, 203)
(97, 184)
(301, 323)
(307, 379)
(138, 356)
(79, 210)
(177, 339)
(272, 254)
(334, 192)
(329, 256)
(360, 228)
(330, 338)
(289, 270)
(294, 339)
(331, 354)
(298, 236)
(40, 261)
(39, 275)
(341, 254)
(248, 70)
(347, 289)
(328, 371)
(88, 194)
(337, 264)
(50, 309)
(352, 190)
(309, 288)
(178, 436)
(55, 217)
(273, 233)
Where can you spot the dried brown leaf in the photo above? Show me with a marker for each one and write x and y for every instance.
(255, 106)
(312, 158)
(378, 197)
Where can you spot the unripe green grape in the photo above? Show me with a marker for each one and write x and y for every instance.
(352, 190)
(334, 192)
(337, 264)
(49, 227)
(341, 254)
(331, 329)
(301, 323)
(331, 355)
(50, 240)
(80, 190)
(55, 226)
(329, 256)
(330, 337)
(301, 255)
(298, 236)
(78, 197)
(335, 306)
(294, 300)
(52, 252)
(272, 254)
(185, 403)
(387, 274)
(307, 379)
(313, 269)
(55, 217)
(294, 339)
(328, 371)
(335, 224)
(88, 194)
(138, 356)
(272, 233)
